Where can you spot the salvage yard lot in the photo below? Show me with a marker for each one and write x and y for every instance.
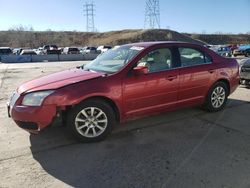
(185, 148)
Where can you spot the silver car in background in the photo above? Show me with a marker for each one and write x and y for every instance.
(245, 72)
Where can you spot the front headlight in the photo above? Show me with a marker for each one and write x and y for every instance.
(35, 98)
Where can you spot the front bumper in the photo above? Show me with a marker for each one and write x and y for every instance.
(32, 119)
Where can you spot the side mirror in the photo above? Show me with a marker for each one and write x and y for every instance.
(140, 70)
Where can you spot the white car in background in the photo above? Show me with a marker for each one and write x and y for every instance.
(28, 52)
(104, 48)
(88, 50)
(39, 51)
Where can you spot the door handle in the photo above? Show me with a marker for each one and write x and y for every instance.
(171, 78)
(211, 71)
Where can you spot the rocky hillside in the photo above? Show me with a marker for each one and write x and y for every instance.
(35, 39)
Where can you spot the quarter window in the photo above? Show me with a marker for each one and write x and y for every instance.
(157, 60)
(191, 57)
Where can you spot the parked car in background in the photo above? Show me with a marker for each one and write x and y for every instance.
(39, 51)
(115, 47)
(233, 47)
(245, 72)
(208, 46)
(71, 50)
(133, 80)
(242, 51)
(238, 52)
(104, 48)
(17, 51)
(51, 49)
(88, 50)
(224, 51)
(28, 52)
(5, 51)
(247, 52)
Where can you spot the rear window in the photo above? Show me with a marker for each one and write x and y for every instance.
(108, 47)
(191, 57)
(5, 51)
(73, 49)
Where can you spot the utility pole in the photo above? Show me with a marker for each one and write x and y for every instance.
(152, 15)
(89, 13)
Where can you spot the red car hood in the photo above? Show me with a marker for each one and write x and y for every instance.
(57, 80)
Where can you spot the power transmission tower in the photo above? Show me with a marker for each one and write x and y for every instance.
(89, 13)
(152, 15)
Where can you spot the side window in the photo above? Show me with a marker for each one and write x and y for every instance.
(208, 59)
(157, 60)
(191, 57)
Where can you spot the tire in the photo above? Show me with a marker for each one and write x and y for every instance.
(217, 97)
(91, 120)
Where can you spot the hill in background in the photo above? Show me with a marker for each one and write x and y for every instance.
(222, 38)
(34, 39)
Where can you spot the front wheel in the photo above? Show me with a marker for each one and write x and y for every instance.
(91, 121)
(217, 97)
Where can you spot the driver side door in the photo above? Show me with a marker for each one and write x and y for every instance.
(154, 91)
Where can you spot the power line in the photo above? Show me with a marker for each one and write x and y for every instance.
(89, 13)
(152, 15)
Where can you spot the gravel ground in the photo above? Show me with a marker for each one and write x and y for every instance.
(185, 148)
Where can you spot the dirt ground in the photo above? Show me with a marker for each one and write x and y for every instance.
(185, 148)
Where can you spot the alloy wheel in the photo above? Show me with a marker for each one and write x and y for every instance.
(218, 97)
(91, 122)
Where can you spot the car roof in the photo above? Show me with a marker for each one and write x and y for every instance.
(153, 43)
(28, 50)
(4, 47)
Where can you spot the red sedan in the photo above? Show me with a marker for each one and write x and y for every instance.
(127, 82)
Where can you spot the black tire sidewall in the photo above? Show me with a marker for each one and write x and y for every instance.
(208, 105)
(105, 107)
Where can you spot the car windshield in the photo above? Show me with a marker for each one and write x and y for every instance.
(113, 60)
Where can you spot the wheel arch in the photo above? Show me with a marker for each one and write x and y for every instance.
(226, 82)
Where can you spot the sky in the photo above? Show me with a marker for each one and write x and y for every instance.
(191, 16)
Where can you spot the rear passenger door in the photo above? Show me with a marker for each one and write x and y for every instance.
(196, 73)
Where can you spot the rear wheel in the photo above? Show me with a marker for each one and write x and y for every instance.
(91, 121)
(217, 97)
